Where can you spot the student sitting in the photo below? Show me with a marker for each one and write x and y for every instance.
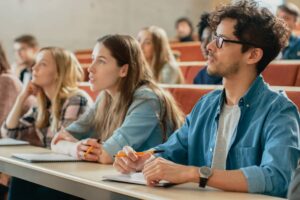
(59, 100)
(26, 48)
(289, 12)
(244, 138)
(158, 54)
(205, 34)
(131, 109)
(59, 103)
(184, 30)
(10, 86)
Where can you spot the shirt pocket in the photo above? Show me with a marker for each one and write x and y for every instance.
(245, 156)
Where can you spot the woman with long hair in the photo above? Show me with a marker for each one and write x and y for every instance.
(59, 100)
(59, 103)
(130, 109)
(156, 48)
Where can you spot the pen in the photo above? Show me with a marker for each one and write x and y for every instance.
(90, 149)
(119, 155)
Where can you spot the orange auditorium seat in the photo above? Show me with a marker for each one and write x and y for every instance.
(86, 87)
(190, 70)
(281, 73)
(188, 95)
(84, 56)
(189, 51)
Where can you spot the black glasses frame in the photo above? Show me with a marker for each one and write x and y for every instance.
(220, 40)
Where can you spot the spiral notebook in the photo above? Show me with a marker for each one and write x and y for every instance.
(12, 142)
(134, 178)
(45, 157)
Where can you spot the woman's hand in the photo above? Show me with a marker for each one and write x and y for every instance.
(29, 89)
(63, 135)
(89, 150)
(131, 162)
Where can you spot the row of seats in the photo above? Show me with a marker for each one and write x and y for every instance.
(277, 73)
(188, 95)
(186, 51)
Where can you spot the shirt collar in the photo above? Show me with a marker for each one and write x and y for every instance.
(249, 97)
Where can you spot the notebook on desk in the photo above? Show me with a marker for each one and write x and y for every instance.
(45, 157)
(134, 178)
(12, 142)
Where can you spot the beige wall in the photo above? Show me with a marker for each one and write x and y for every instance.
(297, 2)
(76, 24)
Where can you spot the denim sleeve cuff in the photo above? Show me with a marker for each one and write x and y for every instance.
(255, 178)
(114, 144)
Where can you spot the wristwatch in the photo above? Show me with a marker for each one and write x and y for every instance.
(205, 173)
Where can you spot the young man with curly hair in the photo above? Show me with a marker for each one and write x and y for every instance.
(244, 138)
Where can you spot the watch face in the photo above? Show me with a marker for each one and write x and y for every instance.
(205, 171)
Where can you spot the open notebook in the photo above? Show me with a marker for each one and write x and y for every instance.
(12, 142)
(135, 178)
(44, 157)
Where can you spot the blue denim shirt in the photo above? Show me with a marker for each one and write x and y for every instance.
(292, 51)
(204, 78)
(264, 145)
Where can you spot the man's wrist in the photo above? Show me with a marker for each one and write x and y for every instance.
(194, 174)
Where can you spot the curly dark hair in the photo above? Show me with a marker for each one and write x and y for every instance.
(256, 25)
(203, 24)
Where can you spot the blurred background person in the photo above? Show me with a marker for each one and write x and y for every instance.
(289, 12)
(205, 35)
(184, 30)
(26, 48)
(157, 51)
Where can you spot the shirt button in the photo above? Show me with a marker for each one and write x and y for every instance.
(210, 149)
(247, 105)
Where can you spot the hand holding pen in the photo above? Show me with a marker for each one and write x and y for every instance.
(89, 150)
(128, 160)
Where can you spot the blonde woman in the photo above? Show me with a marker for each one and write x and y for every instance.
(131, 109)
(59, 101)
(155, 45)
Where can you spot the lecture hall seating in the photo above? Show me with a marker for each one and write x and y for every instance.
(189, 51)
(278, 73)
(188, 95)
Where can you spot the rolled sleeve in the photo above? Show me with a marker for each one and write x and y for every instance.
(255, 178)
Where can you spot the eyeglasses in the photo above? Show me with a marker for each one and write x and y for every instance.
(220, 40)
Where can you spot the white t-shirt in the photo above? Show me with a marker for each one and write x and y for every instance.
(228, 121)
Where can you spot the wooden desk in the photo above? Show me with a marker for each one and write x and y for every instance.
(84, 179)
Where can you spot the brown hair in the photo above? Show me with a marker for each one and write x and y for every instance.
(126, 50)
(4, 65)
(30, 40)
(256, 25)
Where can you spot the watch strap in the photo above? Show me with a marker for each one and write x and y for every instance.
(203, 182)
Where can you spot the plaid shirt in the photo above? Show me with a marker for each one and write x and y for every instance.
(26, 129)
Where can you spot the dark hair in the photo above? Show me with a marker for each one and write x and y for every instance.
(256, 25)
(4, 65)
(203, 24)
(290, 8)
(187, 20)
(30, 40)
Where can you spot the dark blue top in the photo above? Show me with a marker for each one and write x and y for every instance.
(292, 51)
(204, 78)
